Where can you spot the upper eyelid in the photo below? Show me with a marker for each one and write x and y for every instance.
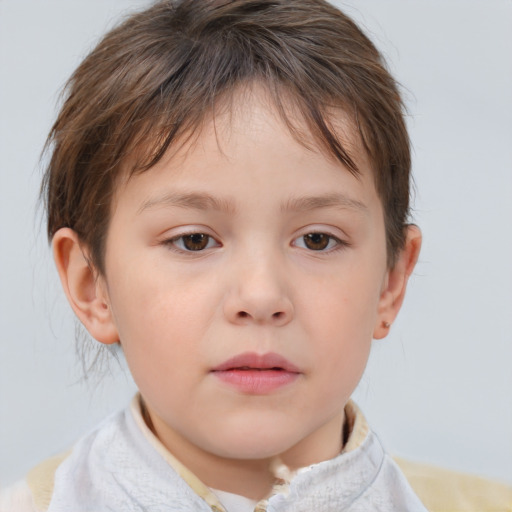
(189, 233)
(332, 231)
(185, 231)
(333, 237)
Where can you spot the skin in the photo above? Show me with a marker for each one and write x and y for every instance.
(257, 286)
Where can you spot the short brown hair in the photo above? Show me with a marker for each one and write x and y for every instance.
(152, 80)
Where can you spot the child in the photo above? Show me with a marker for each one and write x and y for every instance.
(227, 199)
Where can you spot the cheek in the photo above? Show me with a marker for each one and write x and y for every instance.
(161, 298)
(161, 323)
(342, 345)
(341, 351)
(341, 314)
(344, 305)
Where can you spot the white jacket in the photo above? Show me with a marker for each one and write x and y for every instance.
(122, 467)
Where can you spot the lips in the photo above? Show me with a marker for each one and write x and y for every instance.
(253, 361)
(256, 374)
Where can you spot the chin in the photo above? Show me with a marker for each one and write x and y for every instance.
(255, 441)
(253, 449)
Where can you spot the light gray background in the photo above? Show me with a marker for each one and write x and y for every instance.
(439, 388)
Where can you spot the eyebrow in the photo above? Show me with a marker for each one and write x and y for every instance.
(308, 203)
(193, 200)
(204, 201)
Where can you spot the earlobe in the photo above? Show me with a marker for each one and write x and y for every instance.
(393, 291)
(84, 289)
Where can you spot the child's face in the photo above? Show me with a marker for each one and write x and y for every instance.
(246, 244)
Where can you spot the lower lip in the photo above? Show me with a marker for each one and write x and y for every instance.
(256, 382)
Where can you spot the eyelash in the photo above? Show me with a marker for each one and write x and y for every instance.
(333, 243)
(173, 242)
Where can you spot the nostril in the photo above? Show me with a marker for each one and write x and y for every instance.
(277, 315)
(243, 314)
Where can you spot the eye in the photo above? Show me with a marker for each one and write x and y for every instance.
(193, 242)
(317, 242)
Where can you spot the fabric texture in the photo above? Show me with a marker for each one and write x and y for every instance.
(121, 465)
(17, 498)
(442, 490)
(234, 502)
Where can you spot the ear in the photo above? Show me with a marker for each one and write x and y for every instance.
(85, 289)
(395, 283)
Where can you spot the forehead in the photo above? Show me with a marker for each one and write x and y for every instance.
(249, 129)
(331, 131)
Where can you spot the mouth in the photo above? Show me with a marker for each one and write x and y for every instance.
(259, 362)
(256, 374)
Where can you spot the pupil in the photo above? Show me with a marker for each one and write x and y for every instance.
(316, 241)
(196, 241)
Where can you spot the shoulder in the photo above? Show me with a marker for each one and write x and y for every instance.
(35, 492)
(442, 490)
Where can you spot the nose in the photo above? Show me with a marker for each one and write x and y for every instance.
(258, 293)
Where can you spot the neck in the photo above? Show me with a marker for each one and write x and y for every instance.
(252, 478)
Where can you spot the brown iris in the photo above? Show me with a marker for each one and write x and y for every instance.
(316, 241)
(195, 241)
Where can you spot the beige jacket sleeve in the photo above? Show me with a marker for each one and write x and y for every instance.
(442, 490)
(35, 492)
